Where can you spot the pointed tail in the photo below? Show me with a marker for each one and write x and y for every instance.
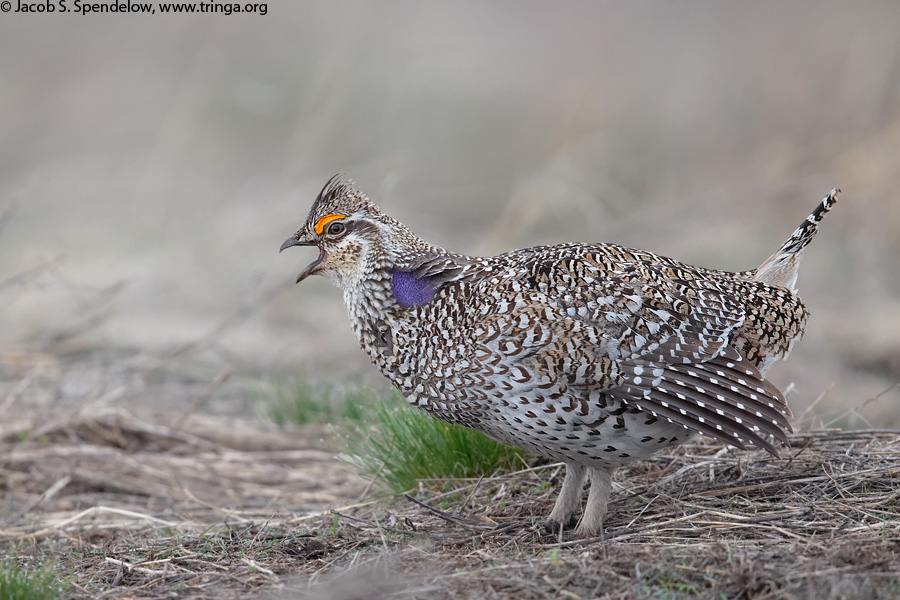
(781, 268)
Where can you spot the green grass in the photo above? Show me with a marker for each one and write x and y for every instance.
(305, 404)
(386, 437)
(22, 583)
(403, 445)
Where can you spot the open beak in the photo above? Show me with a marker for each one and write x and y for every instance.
(314, 266)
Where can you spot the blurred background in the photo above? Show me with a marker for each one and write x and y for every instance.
(150, 166)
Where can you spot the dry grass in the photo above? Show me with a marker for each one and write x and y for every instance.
(132, 504)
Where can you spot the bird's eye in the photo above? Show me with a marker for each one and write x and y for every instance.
(336, 228)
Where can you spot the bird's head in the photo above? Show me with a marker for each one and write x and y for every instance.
(351, 233)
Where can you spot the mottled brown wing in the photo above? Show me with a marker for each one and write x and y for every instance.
(669, 338)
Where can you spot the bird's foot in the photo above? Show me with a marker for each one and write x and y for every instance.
(552, 526)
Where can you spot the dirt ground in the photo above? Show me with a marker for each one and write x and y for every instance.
(153, 490)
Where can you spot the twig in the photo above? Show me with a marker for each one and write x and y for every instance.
(48, 493)
(28, 275)
(862, 405)
(169, 559)
(203, 398)
(241, 314)
(98, 306)
(468, 523)
(381, 535)
(131, 568)
(471, 495)
(259, 568)
(16, 392)
(91, 511)
(217, 509)
(643, 510)
(511, 475)
(815, 403)
(626, 534)
(377, 525)
(789, 480)
(316, 515)
(371, 482)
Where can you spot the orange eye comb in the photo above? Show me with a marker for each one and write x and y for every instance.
(321, 223)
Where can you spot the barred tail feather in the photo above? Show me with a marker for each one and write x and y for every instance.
(781, 268)
(726, 398)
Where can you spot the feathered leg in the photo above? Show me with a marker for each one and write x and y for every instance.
(592, 521)
(569, 498)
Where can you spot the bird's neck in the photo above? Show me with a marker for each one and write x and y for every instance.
(399, 282)
(371, 297)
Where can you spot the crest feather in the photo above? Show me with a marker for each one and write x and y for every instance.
(340, 195)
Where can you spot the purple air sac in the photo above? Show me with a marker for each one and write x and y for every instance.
(410, 290)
